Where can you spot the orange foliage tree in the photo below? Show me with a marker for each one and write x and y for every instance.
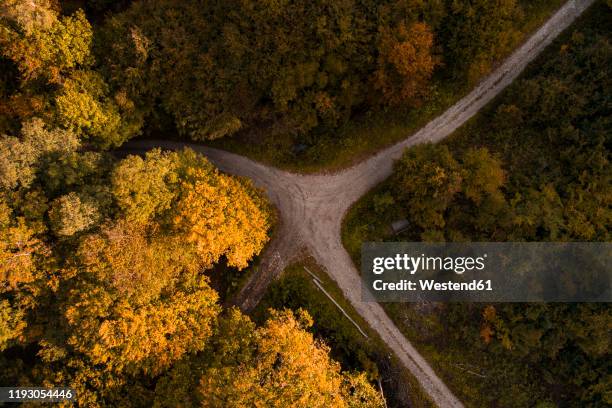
(280, 365)
(405, 63)
(139, 302)
(219, 214)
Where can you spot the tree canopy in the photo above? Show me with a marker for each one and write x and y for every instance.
(279, 364)
(104, 281)
(311, 65)
(54, 74)
(198, 67)
(108, 266)
(533, 166)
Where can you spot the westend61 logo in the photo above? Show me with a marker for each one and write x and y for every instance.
(413, 264)
(487, 272)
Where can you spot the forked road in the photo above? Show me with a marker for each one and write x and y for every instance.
(312, 206)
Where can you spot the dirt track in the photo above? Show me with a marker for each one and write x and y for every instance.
(312, 206)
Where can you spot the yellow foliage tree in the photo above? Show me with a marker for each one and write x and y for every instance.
(20, 254)
(144, 188)
(280, 365)
(18, 250)
(138, 303)
(44, 44)
(30, 14)
(216, 214)
(220, 217)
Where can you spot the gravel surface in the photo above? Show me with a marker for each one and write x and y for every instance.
(312, 207)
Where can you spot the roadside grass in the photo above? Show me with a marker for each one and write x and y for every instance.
(350, 143)
(364, 135)
(363, 222)
(295, 290)
(479, 375)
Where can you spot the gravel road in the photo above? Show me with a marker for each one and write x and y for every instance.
(312, 206)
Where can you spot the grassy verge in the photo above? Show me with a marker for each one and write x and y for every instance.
(479, 374)
(371, 132)
(352, 142)
(295, 289)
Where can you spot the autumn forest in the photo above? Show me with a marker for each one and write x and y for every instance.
(119, 268)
